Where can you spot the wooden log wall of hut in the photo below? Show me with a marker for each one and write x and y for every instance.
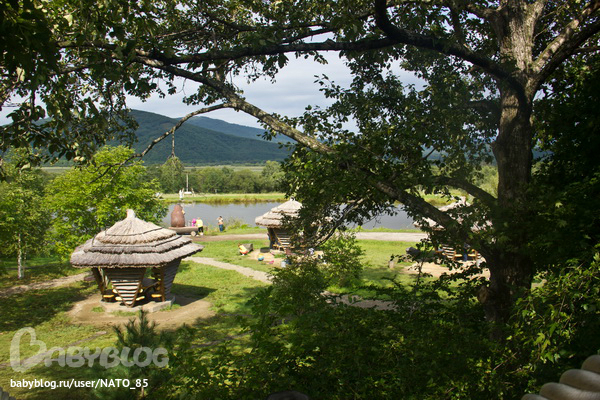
(165, 277)
(283, 237)
(100, 279)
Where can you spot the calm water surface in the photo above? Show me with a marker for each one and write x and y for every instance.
(247, 212)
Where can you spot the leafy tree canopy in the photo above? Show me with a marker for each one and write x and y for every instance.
(85, 201)
(23, 219)
(483, 64)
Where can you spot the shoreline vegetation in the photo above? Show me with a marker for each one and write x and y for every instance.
(224, 198)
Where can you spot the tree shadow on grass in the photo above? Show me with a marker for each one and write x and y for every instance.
(230, 321)
(34, 307)
(192, 291)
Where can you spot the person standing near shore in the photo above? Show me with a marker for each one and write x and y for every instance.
(220, 222)
(200, 226)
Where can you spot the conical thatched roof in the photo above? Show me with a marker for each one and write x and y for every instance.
(133, 243)
(274, 217)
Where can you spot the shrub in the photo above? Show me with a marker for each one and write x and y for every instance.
(341, 259)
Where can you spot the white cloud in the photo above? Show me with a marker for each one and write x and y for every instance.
(293, 90)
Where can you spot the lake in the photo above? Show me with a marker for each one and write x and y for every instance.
(247, 212)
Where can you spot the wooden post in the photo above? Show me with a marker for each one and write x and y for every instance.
(162, 283)
(99, 280)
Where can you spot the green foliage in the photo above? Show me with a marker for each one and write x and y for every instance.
(488, 179)
(567, 181)
(342, 259)
(172, 176)
(84, 201)
(273, 177)
(23, 217)
(228, 180)
(138, 333)
(213, 180)
(305, 341)
(557, 324)
(433, 345)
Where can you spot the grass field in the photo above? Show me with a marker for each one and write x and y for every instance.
(227, 291)
(375, 261)
(38, 269)
(45, 311)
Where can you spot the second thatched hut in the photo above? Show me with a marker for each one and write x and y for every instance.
(273, 221)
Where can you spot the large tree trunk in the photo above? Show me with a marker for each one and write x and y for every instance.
(511, 268)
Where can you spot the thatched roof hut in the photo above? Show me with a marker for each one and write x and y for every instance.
(274, 217)
(273, 221)
(121, 254)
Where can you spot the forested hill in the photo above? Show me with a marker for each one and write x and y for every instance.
(226, 127)
(198, 145)
(232, 129)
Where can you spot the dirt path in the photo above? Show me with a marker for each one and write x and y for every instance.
(188, 312)
(249, 272)
(58, 282)
(354, 301)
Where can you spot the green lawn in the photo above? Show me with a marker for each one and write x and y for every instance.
(376, 268)
(45, 311)
(227, 251)
(38, 269)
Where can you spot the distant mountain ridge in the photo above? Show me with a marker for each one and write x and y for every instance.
(233, 129)
(194, 144)
(227, 127)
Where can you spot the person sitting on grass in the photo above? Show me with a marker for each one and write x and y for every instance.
(243, 250)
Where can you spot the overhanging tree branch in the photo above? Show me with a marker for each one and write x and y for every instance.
(565, 50)
(277, 125)
(171, 131)
(475, 191)
(178, 125)
(404, 36)
(237, 102)
(563, 45)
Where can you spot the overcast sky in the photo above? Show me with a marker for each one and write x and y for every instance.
(294, 89)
